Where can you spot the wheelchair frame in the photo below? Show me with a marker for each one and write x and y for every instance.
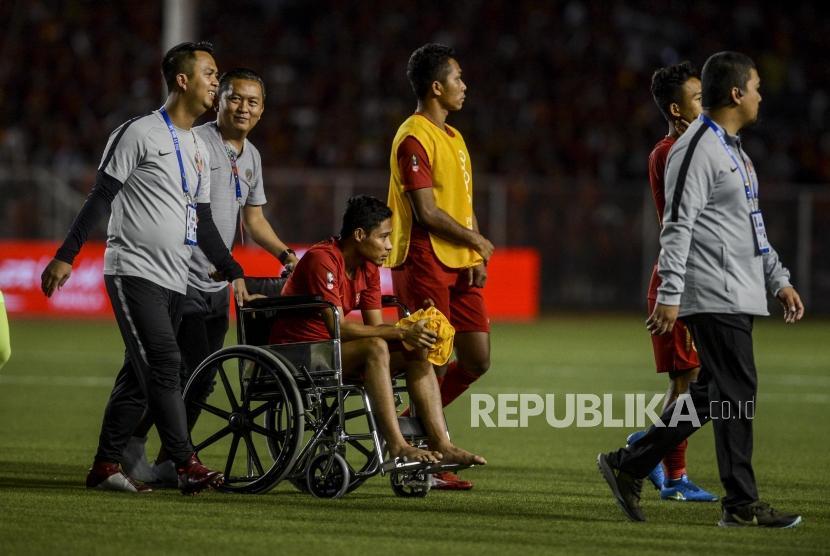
(296, 400)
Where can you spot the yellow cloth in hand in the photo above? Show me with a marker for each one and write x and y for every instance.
(441, 350)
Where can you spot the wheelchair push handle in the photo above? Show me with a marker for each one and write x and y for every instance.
(284, 302)
(393, 301)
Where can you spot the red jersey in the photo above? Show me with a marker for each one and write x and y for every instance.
(322, 271)
(656, 179)
(417, 174)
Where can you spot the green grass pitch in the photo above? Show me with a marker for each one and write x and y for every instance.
(541, 492)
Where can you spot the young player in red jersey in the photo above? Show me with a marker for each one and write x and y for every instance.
(344, 271)
(677, 92)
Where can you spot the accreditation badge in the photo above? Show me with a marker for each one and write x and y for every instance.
(190, 234)
(761, 241)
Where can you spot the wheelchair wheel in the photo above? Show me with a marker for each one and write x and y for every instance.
(409, 484)
(297, 477)
(358, 450)
(359, 453)
(327, 476)
(231, 393)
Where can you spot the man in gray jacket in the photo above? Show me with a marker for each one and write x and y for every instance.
(716, 264)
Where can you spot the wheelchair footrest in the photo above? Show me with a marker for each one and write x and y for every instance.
(439, 467)
(398, 464)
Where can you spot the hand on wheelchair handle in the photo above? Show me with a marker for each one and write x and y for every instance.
(291, 261)
(240, 292)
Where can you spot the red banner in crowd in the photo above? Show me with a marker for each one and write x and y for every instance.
(512, 291)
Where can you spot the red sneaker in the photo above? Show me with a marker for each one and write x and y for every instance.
(195, 477)
(108, 476)
(447, 480)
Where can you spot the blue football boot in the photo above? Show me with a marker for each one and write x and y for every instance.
(684, 490)
(657, 476)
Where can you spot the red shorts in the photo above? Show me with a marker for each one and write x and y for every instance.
(676, 350)
(422, 276)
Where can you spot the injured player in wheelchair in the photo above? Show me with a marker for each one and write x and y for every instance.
(344, 271)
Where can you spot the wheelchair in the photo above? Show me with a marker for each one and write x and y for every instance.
(270, 413)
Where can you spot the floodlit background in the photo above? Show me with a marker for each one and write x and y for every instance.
(558, 119)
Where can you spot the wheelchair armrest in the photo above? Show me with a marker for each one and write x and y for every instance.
(283, 302)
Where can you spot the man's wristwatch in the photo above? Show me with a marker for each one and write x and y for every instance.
(284, 255)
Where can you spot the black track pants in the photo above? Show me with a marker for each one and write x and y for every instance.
(724, 393)
(148, 316)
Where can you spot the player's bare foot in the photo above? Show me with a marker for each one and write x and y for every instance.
(454, 454)
(410, 453)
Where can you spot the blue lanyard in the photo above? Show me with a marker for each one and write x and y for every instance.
(166, 116)
(751, 192)
(235, 172)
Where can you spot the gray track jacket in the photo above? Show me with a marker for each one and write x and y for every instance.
(708, 259)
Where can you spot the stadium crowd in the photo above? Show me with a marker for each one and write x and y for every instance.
(558, 104)
(556, 90)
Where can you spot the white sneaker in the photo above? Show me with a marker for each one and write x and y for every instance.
(134, 461)
(166, 474)
(108, 476)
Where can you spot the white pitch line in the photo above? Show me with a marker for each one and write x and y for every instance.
(44, 380)
(61, 356)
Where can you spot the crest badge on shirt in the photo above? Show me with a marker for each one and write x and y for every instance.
(415, 166)
(200, 164)
(329, 280)
(750, 167)
(249, 174)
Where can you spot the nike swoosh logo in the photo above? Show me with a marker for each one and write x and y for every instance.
(164, 153)
(733, 169)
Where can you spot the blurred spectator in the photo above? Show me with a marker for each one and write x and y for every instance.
(558, 107)
(552, 85)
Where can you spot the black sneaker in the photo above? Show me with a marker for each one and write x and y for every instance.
(625, 487)
(758, 514)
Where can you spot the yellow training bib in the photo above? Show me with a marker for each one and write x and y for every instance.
(452, 187)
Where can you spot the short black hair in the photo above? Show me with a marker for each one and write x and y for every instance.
(428, 64)
(239, 73)
(363, 211)
(667, 85)
(721, 73)
(179, 59)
